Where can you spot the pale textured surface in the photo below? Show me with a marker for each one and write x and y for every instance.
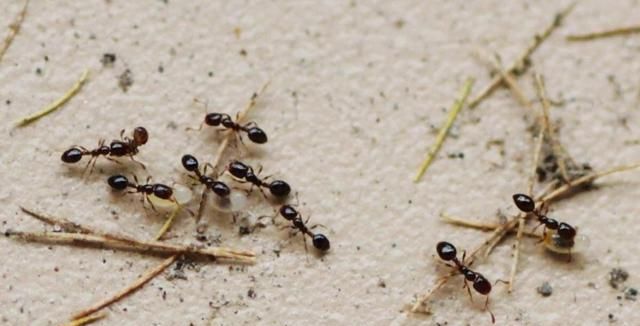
(351, 110)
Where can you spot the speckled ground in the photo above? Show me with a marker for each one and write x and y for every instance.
(357, 91)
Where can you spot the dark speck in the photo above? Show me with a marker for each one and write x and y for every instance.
(631, 294)
(125, 80)
(252, 294)
(160, 69)
(210, 73)
(617, 276)
(108, 59)
(38, 71)
(7, 102)
(545, 289)
(243, 52)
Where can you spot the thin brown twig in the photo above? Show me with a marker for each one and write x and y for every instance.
(146, 247)
(511, 82)
(620, 31)
(14, 28)
(521, 63)
(146, 277)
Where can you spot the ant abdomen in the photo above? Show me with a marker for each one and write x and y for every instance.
(321, 242)
(118, 182)
(162, 191)
(257, 135)
(119, 148)
(213, 119)
(481, 284)
(279, 188)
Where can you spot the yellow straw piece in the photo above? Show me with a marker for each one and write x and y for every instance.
(57, 104)
(85, 320)
(444, 131)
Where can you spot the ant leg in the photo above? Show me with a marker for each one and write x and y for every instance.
(140, 163)
(113, 160)
(486, 307)
(466, 285)
(146, 197)
(191, 128)
(93, 165)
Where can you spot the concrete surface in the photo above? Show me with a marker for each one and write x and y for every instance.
(357, 91)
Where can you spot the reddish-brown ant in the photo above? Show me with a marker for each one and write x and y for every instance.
(120, 182)
(449, 253)
(277, 188)
(117, 148)
(319, 240)
(526, 204)
(190, 163)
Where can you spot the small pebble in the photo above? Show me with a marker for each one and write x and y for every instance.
(545, 289)
(617, 276)
(630, 294)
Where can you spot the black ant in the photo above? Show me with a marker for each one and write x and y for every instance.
(565, 231)
(190, 163)
(319, 240)
(252, 130)
(278, 188)
(117, 148)
(120, 182)
(448, 253)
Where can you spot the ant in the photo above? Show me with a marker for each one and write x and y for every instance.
(319, 240)
(190, 163)
(117, 148)
(278, 188)
(252, 130)
(565, 231)
(449, 253)
(120, 182)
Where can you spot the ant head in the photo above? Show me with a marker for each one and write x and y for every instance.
(189, 162)
(71, 155)
(288, 212)
(220, 189)
(481, 284)
(257, 135)
(118, 182)
(524, 203)
(161, 191)
(279, 188)
(321, 242)
(213, 119)
(140, 135)
(446, 251)
(566, 231)
(238, 169)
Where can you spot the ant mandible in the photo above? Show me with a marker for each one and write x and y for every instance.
(277, 188)
(526, 204)
(319, 240)
(190, 163)
(252, 130)
(125, 146)
(449, 253)
(119, 182)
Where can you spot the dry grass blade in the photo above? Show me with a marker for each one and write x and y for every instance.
(520, 64)
(167, 224)
(56, 104)
(14, 28)
(620, 31)
(479, 224)
(442, 134)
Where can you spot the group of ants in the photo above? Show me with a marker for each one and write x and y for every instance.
(448, 252)
(241, 172)
(281, 189)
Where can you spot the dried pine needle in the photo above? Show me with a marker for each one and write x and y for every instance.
(151, 273)
(57, 104)
(602, 34)
(85, 320)
(14, 28)
(444, 131)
